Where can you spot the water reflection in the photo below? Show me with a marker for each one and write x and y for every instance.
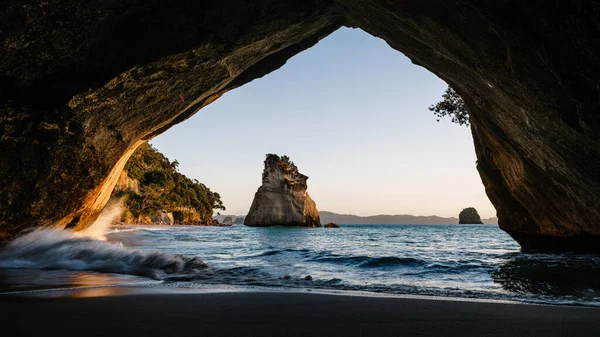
(564, 275)
(15, 280)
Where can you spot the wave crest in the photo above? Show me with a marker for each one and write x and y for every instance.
(371, 262)
(61, 249)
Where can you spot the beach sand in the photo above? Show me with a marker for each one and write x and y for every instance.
(117, 311)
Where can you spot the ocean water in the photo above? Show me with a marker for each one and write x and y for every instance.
(472, 261)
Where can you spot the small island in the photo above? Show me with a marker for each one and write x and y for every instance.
(282, 199)
(469, 215)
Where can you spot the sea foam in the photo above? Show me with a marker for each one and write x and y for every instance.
(51, 248)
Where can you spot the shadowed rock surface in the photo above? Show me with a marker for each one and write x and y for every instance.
(83, 84)
(282, 199)
(332, 225)
(469, 215)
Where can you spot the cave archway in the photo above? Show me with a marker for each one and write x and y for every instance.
(351, 112)
(82, 85)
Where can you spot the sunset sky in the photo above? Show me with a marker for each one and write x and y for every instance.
(352, 114)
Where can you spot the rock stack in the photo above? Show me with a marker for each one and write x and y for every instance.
(282, 199)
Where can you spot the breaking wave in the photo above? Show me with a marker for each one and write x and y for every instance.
(60, 249)
(88, 251)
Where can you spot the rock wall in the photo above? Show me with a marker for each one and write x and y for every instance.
(282, 199)
(82, 84)
(127, 184)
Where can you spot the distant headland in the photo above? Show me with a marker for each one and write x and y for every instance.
(383, 219)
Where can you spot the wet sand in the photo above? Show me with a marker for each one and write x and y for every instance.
(115, 311)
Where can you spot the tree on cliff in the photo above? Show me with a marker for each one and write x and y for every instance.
(286, 162)
(162, 188)
(453, 106)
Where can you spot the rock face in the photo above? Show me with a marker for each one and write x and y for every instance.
(228, 220)
(469, 215)
(127, 184)
(239, 221)
(82, 84)
(282, 199)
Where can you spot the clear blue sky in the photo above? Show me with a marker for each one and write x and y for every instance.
(351, 112)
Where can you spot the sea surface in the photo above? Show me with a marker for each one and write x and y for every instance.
(468, 261)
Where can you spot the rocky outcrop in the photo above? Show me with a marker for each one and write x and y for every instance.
(228, 220)
(331, 225)
(83, 84)
(282, 199)
(165, 218)
(469, 215)
(186, 216)
(239, 220)
(127, 184)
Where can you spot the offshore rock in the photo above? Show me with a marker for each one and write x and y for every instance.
(332, 225)
(469, 215)
(282, 199)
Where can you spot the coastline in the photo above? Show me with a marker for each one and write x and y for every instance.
(156, 311)
(198, 224)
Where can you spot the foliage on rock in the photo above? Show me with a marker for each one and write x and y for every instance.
(284, 161)
(163, 188)
(453, 106)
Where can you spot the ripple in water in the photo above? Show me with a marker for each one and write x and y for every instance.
(442, 260)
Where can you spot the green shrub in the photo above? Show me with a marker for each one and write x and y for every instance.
(163, 188)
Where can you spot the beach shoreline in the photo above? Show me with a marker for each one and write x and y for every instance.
(157, 311)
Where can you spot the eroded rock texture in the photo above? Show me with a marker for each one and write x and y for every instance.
(282, 199)
(83, 83)
(469, 215)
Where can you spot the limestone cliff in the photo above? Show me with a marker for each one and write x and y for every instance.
(469, 215)
(282, 198)
(82, 84)
(127, 184)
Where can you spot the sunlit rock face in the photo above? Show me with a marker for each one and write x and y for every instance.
(127, 184)
(82, 84)
(469, 215)
(282, 199)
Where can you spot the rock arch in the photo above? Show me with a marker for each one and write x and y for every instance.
(82, 84)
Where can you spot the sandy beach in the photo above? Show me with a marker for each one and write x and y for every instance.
(116, 311)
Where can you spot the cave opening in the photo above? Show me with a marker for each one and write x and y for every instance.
(352, 113)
